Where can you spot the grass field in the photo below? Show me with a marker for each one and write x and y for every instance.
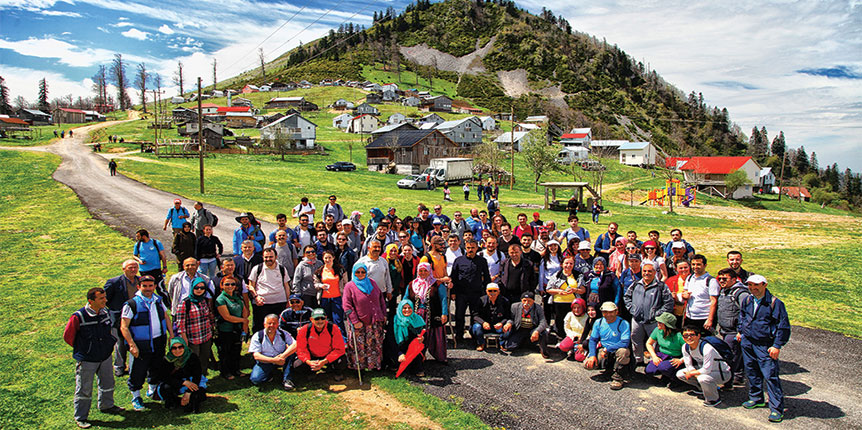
(44, 134)
(46, 266)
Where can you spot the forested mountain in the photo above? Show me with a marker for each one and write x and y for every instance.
(549, 68)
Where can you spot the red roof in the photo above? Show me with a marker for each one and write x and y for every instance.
(793, 192)
(715, 165)
(71, 110)
(574, 135)
(210, 105)
(222, 109)
(14, 121)
(670, 162)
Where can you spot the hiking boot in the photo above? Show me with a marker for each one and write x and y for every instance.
(138, 404)
(119, 372)
(83, 424)
(288, 385)
(752, 404)
(775, 417)
(711, 403)
(617, 384)
(113, 410)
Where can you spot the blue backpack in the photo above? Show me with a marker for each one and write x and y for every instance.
(723, 349)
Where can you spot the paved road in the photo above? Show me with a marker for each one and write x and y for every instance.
(820, 369)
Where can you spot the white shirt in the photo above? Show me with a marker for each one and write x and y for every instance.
(450, 258)
(378, 271)
(495, 262)
(269, 284)
(304, 236)
(305, 209)
(698, 303)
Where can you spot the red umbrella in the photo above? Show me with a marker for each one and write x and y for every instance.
(414, 350)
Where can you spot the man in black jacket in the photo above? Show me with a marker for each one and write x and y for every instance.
(528, 322)
(469, 277)
(492, 315)
(118, 290)
(518, 275)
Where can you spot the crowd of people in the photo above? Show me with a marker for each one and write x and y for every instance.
(325, 296)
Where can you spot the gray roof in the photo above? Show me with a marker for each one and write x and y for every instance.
(446, 125)
(391, 127)
(405, 138)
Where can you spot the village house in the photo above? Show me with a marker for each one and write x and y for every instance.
(34, 116)
(8, 124)
(298, 103)
(796, 192)
(431, 119)
(265, 88)
(504, 141)
(217, 93)
(710, 173)
(223, 110)
(342, 104)
(411, 150)
(766, 179)
(386, 129)
(638, 154)
(239, 101)
(389, 96)
(342, 121)
(465, 132)
(364, 123)
(488, 123)
(299, 130)
(249, 88)
(177, 100)
(606, 148)
(539, 120)
(92, 116)
(240, 119)
(69, 116)
(389, 87)
(372, 87)
(375, 98)
(213, 133)
(366, 108)
(577, 137)
(526, 127)
(304, 84)
(209, 108)
(412, 101)
(437, 104)
(502, 116)
(396, 118)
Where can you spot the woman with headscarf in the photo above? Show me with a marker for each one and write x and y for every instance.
(431, 299)
(617, 259)
(601, 284)
(184, 244)
(365, 309)
(195, 321)
(376, 216)
(233, 323)
(574, 324)
(408, 326)
(562, 287)
(583, 345)
(357, 224)
(396, 274)
(330, 279)
(178, 378)
(651, 254)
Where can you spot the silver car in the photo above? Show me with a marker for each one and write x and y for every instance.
(414, 182)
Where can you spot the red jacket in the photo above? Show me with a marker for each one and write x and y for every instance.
(314, 345)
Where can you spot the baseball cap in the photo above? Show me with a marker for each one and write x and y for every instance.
(583, 245)
(552, 242)
(528, 295)
(634, 257)
(436, 221)
(318, 313)
(295, 297)
(177, 201)
(756, 279)
(346, 221)
(493, 286)
(608, 306)
(146, 278)
(678, 245)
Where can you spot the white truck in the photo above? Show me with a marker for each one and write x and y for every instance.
(451, 170)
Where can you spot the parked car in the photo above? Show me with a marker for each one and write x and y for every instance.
(341, 166)
(414, 182)
(592, 165)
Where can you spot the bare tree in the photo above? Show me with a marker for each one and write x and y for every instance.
(489, 156)
(141, 79)
(538, 155)
(118, 76)
(215, 80)
(20, 103)
(178, 76)
(100, 87)
(262, 62)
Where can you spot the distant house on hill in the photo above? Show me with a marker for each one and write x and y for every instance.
(239, 101)
(236, 119)
(465, 132)
(389, 96)
(69, 116)
(386, 129)
(488, 123)
(209, 108)
(711, 173)
(540, 120)
(342, 104)
(437, 104)
(606, 148)
(366, 108)
(213, 133)
(412, 101)
(177, 100)
(577, 137)
(389, 87)
(502, 116)
(296, 128)
(342, 121)
(396, 118)
(795, 192)
(249, 88)
(432, 119)
(411, 150)
(638, 154)
(364, 123)
(504, 141)
(298, 103)
(223, 110)
(374, 98)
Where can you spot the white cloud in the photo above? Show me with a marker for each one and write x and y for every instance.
(134, 33)
(25, 82)
(64, 52)
(166, 29)
(122, 18)
(60, 13)
(122, 24)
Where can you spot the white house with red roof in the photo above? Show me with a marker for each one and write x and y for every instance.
(365, 123)
(209, 108)
(223, 110)
(711, 172)
(577, 137)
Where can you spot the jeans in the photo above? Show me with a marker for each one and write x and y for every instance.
(640, 333)
(335, 312)
(262, 372)
(209, 269)
(85, 371)
(479, 333)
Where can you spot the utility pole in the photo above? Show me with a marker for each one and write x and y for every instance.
(156, 122)
(512, 138)
(200, 136)
(781, 178)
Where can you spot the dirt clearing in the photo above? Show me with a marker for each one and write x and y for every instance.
(383, 409)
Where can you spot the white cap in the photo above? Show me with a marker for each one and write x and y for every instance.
(346, 222)
(492, 286)
(584, 245)
(552, 242)
(756, 279)
(678, 245)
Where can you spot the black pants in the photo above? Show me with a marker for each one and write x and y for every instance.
(229, 352)
(140, 368)
(310, 300)
(514, 338)
(259, 312)
(560, 311)
(336, 368)
(462, 301)
(170, 394)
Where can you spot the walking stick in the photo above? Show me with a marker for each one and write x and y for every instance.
(355, 349)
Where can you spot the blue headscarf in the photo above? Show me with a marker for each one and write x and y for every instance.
(376, 217)
(402, 324)
(365, 284)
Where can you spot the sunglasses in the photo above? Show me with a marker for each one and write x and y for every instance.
(689, 335)
(402, 236)
(649, 247)
(293, 302)
(200, 288)
(319, 318)
(631, 249)
(230, 284)
(360, 271)
(309, 252)
(177, 347)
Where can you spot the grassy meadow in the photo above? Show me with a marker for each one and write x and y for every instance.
(46, 266)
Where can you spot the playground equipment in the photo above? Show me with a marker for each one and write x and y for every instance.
(662, 196)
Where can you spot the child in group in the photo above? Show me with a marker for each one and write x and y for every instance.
(583, 345)
(447, 193)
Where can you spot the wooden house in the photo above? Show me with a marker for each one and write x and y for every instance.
(34, 116)
(69, 116)
(411, 150)
(465, 132)
(296, 128)
(342, 121)
(366, 109)
(488, 123)
(432, 118)
(240, 119)
(412, 101)
(710, 173)
(298, 103)
(375, 98)
(396, 118)
(437, 104)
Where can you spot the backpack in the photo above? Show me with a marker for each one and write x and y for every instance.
(723, 349)
(259, 269)
(253, 221)
(215, 218)
(138, 246)
(280, 333)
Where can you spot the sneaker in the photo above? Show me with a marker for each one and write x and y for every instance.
(695, 392)
(480, 348)
(617, 385)
(83, 424)
(751, 404)
(288, 385)
(151, 390)
(113, 410)
(711, 403)
(775, 417)
(119, 372)
(138, 404)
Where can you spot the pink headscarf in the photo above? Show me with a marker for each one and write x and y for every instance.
(419, 285)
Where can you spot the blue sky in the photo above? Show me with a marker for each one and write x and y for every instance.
(788, 65)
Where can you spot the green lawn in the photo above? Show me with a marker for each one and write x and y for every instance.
(47, 266)
(408, 80)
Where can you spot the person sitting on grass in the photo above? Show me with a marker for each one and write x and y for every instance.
(179, 377)
(272, 347)
(665, 345)
(528, 322)
(614, 355)
(704, 367)
(407, 327)
(320, 345)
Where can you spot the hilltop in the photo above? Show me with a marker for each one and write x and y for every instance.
(501, 57)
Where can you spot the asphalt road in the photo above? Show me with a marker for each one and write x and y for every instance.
(819, 369)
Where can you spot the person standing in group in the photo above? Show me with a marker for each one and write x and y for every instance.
(303, 277)
(151, 253)
(184, 244)
(181, 283)
(701, 295)
(431, 302)
(334, 209)
(177, 215)
(207, 250)
(377, 268)
(466, 189)
(764, 329)
(146, 326)
(233, 313)
(469, 277)
(330, 279)
(196, 322)
(117, 291)
(247, 231)
(365, 308)
(268, 287)
(88, 332)
(646, 299)
(730, 299)
(304, 208)
(285, 252)
(200, 218)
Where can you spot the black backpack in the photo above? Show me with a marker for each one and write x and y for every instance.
(720, 346)
(215, 218)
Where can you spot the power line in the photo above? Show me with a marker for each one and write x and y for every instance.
(267, 38)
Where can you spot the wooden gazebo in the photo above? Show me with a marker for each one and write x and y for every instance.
(577, 187)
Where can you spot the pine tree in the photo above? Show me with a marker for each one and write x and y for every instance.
(43, 96)
(815, 167)
(801, 162)
(778, 146)
(757, 145)
(5, 107)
